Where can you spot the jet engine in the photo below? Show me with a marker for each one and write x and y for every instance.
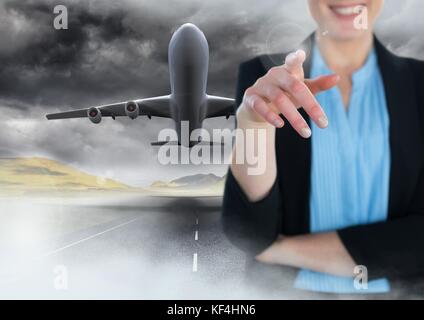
(94, 115)
(132, 109)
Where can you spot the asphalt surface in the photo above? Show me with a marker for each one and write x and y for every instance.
(156, 248)
(131, 247)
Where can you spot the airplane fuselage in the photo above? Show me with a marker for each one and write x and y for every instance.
(188, 57)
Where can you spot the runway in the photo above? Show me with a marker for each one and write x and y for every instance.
(167, 248)
(129, 247)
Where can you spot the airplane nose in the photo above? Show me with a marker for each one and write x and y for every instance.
(188, 45)
(189, 31)
(188, 36)
(188, 28)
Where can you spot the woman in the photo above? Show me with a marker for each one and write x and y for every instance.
(344, 178)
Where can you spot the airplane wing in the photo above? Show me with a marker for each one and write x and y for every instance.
(220, 107)
(151, 107)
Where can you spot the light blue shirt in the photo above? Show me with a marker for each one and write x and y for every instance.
(350, 166)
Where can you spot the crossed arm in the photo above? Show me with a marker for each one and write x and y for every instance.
(321, 252)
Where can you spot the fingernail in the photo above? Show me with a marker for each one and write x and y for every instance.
(323, 122)
(306, 132)
(290, 57)
(278, 123)
(300, 53)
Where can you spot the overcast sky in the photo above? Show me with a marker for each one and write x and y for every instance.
(117, 50)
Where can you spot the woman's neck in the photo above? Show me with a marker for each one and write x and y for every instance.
(344, 58)
(347, 56)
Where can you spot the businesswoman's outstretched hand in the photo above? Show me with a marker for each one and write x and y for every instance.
(283, 90)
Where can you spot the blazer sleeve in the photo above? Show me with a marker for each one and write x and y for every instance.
(250, 226)
(394, 248)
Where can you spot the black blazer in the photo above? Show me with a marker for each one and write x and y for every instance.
(393, 248)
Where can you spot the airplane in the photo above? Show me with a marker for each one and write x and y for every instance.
(188, 59)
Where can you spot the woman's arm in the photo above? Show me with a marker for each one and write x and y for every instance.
(393, 248)
(242, 218)
(281, 91)
(251, 208)
(321, 252)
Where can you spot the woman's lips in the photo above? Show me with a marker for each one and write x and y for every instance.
(347, 11)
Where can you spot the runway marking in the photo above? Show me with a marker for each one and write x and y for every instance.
(197, 221)
(88, 238)
(195, 262)
(196, 235)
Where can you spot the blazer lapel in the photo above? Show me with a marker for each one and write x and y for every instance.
(400, 91)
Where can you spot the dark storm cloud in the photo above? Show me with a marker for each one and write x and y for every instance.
(117, 50)
(71, 66)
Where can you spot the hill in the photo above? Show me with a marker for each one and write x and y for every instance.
(41, 173)
(198, 184)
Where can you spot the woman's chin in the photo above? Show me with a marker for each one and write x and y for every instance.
(345, 33)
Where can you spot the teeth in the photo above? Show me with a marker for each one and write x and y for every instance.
(346, 11)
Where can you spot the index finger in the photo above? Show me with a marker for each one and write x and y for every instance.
(301, 94)
(294, 63)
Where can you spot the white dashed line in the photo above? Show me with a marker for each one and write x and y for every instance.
(195, 262)
(88, 238)
(196, 237)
